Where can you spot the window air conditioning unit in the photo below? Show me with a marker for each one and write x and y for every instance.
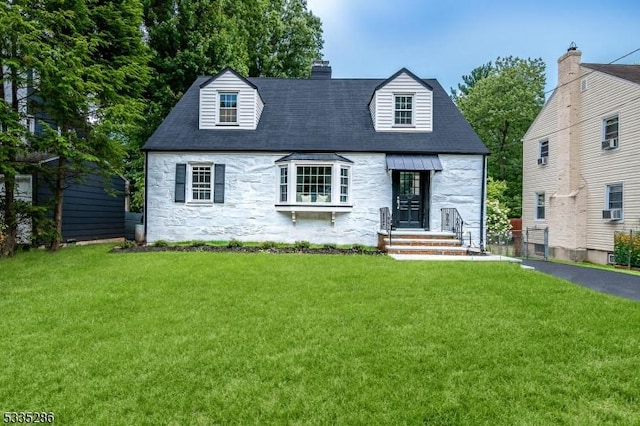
(613, 214)
(542, 161)
(610, 143)
(611, 259)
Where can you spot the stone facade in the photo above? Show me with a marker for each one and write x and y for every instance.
(460, 184)
(249, 211)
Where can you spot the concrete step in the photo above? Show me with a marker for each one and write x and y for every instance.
(427, 250)
(414, 234)
(422, 241)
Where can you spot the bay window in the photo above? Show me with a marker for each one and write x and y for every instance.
(303, 180)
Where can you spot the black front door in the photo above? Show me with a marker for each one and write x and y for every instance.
(408, 199)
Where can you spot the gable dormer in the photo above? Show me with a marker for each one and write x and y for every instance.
(402, 103)
(229, 101)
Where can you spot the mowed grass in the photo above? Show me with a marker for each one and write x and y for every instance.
(220, 338)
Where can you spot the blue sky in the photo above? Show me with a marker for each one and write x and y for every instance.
(447, 39)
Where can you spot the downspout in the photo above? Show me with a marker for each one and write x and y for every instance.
(483, 201)
(144, 210)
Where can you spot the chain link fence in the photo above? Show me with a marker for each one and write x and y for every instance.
(505, 243)
(535, 243)
(529, 243)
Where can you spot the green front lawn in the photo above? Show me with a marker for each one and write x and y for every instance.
(219, 338)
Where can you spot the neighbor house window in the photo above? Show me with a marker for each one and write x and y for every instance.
(540, 206)
(201, 183)
(614, 196)
(313, 184)
(610, 132)
(31, 124)
(228, 112)
(284, 184)
(403, 110)
(543, 152)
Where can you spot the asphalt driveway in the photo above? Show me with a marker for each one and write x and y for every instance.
(612, 282)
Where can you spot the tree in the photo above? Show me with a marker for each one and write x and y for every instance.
(500, 108)
(91, 71)
(498, 224)
(16, 45)
(190, 38)
(287, 39)
(470, 80)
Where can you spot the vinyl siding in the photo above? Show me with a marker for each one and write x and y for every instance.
(382, 106)
(372, 109)
(23, 191)
(88, 211)
(249, 104)
(607, 95)
(539, 178)
(259, 108)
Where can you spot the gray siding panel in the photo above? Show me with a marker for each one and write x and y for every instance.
(89, 212)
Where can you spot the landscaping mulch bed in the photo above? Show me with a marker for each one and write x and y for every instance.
(224, 249)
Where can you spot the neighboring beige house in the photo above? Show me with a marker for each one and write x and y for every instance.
(581, 165)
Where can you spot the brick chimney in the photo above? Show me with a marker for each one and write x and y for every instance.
(320, 70)
(568, 93)
(568, 204)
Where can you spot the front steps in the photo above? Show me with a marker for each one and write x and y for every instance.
(420, 242)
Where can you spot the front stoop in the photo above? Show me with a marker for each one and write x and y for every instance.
(417, 242)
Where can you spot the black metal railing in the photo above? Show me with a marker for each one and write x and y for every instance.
(385, 221)
(450, 220)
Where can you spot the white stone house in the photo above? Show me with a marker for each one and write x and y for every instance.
(581, 158)
(268, 159)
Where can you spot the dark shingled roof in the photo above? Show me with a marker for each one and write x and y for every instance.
(627, 72)
(311, 115)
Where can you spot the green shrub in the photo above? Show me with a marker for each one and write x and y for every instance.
(330, 246)
(160, 243)
(358, 247)
(234, 243)
(625, 245)
(266, 245)
(127, 244)
(197, 243)
(301, 245)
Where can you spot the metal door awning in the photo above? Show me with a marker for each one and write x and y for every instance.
(413, 162)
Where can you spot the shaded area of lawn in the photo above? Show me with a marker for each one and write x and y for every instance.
(202, 338)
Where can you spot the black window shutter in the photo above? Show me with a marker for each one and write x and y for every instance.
(218, 183)
(181, 179)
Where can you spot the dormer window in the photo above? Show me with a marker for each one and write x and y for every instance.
(403, 110)
(228, 111)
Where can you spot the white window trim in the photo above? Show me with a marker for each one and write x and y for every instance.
(607, 193)
(535, 207)
(279, 185)
(413, 110)
(227, 123)
(604, 126)
(189, 186)
(292, 177)
(540, 156)
(348, 194)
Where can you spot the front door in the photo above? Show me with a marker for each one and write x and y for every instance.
(408, 199)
